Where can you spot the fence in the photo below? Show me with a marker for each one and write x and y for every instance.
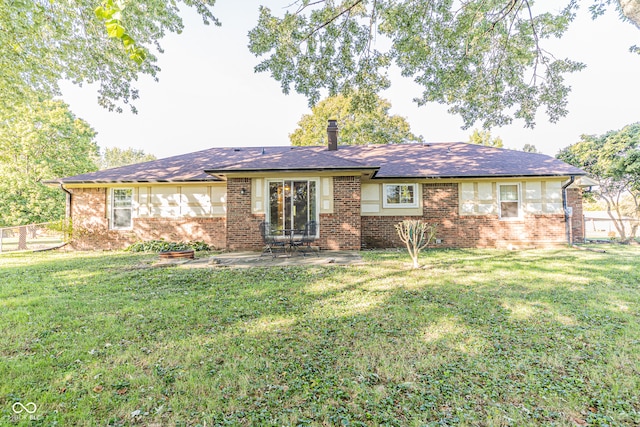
(605, 227)
(32, 237)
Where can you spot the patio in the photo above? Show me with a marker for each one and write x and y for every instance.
(257, 259)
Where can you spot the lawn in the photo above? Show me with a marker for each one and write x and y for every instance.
(478, 338)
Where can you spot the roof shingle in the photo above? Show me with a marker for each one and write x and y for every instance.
(435, 160)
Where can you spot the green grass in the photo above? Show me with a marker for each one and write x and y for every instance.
(479, 338)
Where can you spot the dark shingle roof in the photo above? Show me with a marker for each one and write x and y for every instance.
(436, 160)
(456, 160)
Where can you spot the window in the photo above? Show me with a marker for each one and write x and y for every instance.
(509, 201)
(292, 204)
(400, 196)
(121, 208)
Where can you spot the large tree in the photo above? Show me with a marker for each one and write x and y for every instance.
(613, 161)
(483, 137)
(107, 42)
(40, 140)
(486, 59)
(357, 126)
(114, 157)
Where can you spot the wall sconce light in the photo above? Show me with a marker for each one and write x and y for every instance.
(243, 191)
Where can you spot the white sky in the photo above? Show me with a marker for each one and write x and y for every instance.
(208, 94)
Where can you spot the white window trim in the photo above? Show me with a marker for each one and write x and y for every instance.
(510, 218)
(112, 207)
(416, 197)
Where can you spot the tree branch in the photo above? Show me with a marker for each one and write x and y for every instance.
(347, 10)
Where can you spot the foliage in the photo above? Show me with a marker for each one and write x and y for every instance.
(39, 141)
(43, 42)
(111, 13)
(164, 246)
(530, 148)
(63, 226)
(483, 137)
(416, 235)
(114, 157)
(613, 160)
(484, 337)
(358, 126)
(486, 60)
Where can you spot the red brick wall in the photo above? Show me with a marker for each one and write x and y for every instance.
(213, 231)
(344, 229)
(468, 231)
(341, 230)
(91, 226)
(243, 227)
(574, 200)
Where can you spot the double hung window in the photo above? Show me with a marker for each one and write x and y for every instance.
(121, 208)
(509, 200)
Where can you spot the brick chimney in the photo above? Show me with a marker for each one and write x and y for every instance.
(332, 135)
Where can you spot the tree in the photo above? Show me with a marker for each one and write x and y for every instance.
(357, 126)
(84, 41)
(484, 138)
(530, 148)
(416, 235)
(486, 59)
(115, 157)
(613, 161)
(40, 140)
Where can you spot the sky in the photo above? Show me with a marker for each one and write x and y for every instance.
(209, 96)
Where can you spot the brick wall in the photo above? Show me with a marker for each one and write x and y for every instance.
(341, 230)
(89, 219)
(468, 231)
(243, 227)
(91, 226)
(574, 200)
(213, 231)
(344, 229)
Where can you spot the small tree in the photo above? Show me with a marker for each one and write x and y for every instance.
(417, 235)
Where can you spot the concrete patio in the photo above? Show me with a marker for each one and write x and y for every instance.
(257, 259)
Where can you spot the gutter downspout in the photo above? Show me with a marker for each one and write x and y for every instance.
(565, 208)
(67, 210)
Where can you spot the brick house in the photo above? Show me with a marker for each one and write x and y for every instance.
(479, 196)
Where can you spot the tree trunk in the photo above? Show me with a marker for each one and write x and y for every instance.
(617, 222)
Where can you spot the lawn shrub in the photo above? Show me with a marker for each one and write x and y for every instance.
(164, 246)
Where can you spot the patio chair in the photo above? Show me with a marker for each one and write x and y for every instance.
(272, 245)
(303, 244)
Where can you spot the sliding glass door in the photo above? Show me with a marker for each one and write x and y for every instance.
(292, 203)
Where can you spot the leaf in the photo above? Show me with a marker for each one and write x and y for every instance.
(114, 29)
(101, 13)
(98, 389)
(127, 41)
(138, 55)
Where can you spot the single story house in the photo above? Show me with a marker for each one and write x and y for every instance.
(478, 196)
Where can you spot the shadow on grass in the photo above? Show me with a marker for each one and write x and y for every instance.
(476, 338)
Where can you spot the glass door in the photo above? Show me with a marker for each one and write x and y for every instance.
(292, 203)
